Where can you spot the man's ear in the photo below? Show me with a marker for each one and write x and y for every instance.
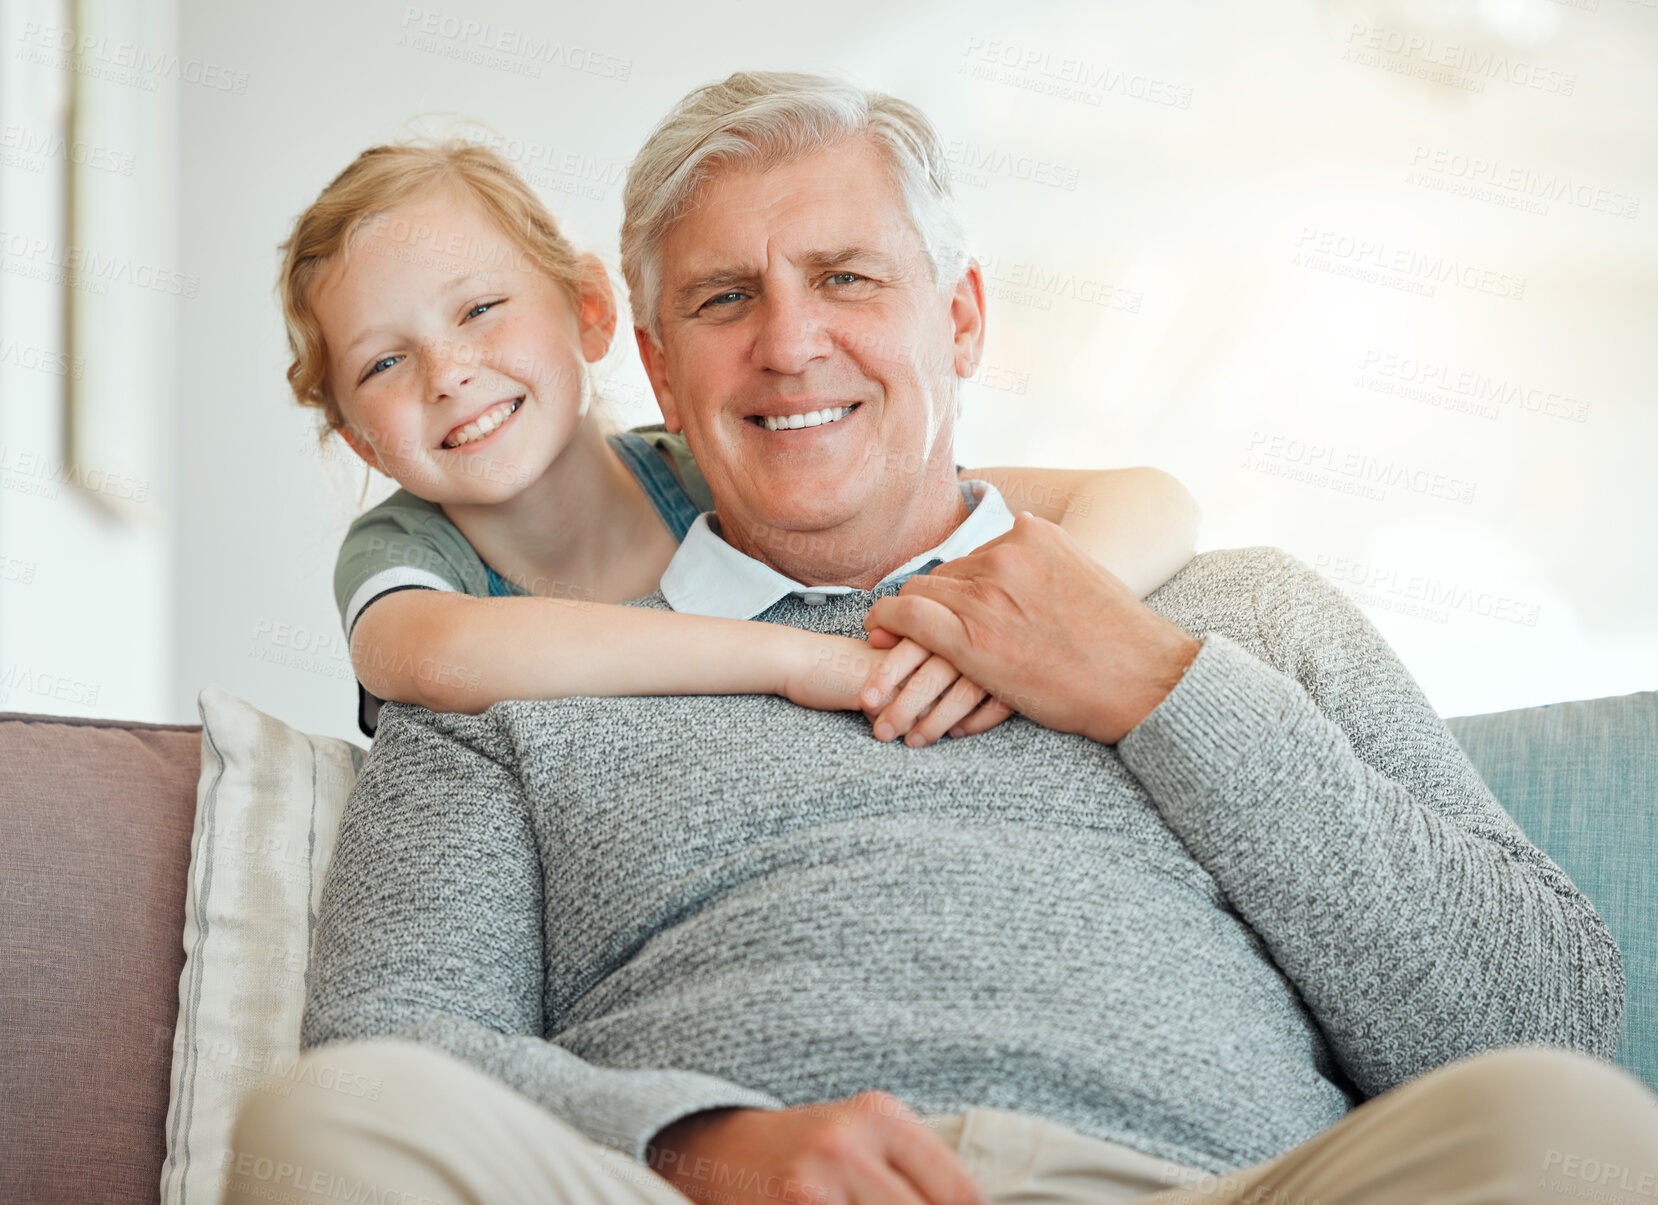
(597, 319)
(360, 446)
(967, 319)
(656, 368)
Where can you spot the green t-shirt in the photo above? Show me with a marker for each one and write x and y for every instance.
(407, 543)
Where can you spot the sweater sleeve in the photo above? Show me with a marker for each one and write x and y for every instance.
(1344, 823)
(430, 928)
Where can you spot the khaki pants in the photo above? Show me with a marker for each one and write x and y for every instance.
(1522, 1124)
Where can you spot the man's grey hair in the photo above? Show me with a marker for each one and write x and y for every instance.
(755, 120)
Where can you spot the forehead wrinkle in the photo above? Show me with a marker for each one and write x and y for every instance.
(782, 212)
(846, 255)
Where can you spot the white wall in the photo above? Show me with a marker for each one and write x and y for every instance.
(86, 544)
(1201, 223)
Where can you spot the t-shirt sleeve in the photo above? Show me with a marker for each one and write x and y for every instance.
(403, 543)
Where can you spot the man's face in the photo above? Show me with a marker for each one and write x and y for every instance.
(805, 289)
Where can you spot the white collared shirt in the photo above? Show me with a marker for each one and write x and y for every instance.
(709, 577)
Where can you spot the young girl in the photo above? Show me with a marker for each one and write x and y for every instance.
(443, 325)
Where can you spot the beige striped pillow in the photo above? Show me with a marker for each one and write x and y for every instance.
(268, 807)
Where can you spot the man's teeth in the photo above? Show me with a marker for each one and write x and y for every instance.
(812, 418)
(483, 424)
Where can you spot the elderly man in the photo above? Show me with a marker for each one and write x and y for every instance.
(1209, 919)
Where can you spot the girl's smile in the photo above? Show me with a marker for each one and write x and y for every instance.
(480, 429)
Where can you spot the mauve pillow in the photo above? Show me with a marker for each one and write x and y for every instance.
(95, 820)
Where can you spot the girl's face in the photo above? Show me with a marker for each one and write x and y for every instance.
(457, 363)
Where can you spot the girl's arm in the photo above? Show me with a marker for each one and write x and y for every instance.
(449, 651)
(1139, 523)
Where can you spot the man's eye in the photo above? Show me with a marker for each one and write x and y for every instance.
(380, 365)
(845, 278)
(724, 299)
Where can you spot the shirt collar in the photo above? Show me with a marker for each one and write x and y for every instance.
(707, 576)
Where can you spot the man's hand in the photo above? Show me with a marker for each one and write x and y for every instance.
(1043, 627)
(870, 1149)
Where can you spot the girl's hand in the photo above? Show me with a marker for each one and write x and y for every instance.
(894, 682)
(825, 672)
(920, 696)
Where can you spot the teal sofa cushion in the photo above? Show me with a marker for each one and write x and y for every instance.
(1582, 780)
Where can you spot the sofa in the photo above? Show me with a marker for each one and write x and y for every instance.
(96, 823)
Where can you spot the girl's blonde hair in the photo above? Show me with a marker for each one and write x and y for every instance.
(381, 179)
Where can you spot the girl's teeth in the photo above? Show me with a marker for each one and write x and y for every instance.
(812, 418)
(482, 426)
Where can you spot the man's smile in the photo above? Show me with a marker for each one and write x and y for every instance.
(798, 420)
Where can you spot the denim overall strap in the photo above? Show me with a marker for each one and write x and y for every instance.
(672, 503)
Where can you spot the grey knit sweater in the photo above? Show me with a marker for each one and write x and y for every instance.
(1284, 892)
